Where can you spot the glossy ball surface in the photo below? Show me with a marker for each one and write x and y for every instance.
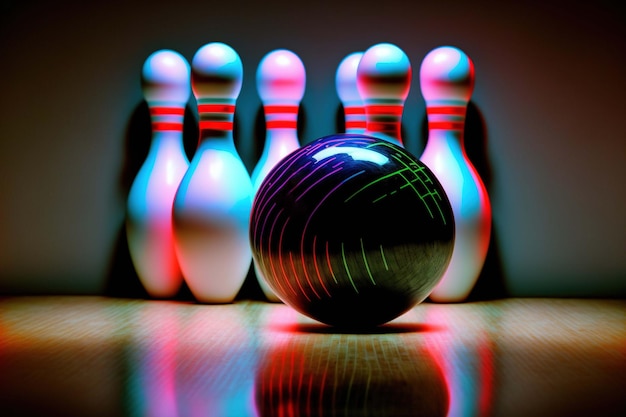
(351, 230)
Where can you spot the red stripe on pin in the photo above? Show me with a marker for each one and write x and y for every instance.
(163, 111)
(166, 126)
(355, 124)
(383, 110)
(281, 109)
(456, 110)
(216, 108)
(216, 125)
(282, 124)
(354, 110)
(446, 125)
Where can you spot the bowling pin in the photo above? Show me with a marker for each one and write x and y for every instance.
(384, 80)
(165, 84)
(348, 92)
(447, 82)
(281, 80)
(212, 205)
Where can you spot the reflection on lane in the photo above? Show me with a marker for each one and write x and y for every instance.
(309, 370)
(215, 370)
(151, 356)
(91, 356)
(191, 360)
(465, 354)
(512, 358)
(268, 360)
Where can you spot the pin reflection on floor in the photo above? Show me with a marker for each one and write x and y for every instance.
(78, 356)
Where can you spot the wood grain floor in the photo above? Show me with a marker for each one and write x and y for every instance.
(98, 356)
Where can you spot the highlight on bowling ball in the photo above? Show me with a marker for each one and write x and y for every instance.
(351, 230)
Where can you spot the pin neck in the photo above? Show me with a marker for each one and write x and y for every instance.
(216, 135)
(446, 116)
(281, 124)
(166, 137)
(167, 144)
(281, 116)
(167, 126)
(216, 119)
(453, 140)
(166, 117)
(354, 118)
(215, 142)
(282, 134)
(281, 138)
(384, 119)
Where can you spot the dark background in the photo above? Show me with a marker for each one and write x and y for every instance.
(545, 125)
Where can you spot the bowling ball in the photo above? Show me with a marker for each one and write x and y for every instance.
(351, 230)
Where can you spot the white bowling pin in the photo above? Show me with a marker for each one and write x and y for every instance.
(447, 82)
(281, 81)
(212, 205)
(348, 92)
(384, 80)
(165, 83)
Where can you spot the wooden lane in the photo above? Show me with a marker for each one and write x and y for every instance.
(108, 357)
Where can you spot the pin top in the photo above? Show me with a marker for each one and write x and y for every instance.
(281, 78)
(216, 73)
(165, 79)
(447, 76)
(345, 80)
(384, 74)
